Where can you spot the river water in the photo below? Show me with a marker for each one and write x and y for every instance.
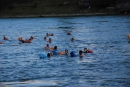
(107, 66)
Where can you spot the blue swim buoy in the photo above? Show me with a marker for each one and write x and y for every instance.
(72, 54)
(55, 52)
(43, 56)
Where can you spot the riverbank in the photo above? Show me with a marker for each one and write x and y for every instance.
(56, 8)
(57, 15)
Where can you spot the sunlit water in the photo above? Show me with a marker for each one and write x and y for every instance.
(107, 66)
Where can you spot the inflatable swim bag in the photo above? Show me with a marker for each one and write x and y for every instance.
(72, 54)
(43, 56)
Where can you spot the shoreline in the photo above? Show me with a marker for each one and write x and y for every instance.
(57, 15)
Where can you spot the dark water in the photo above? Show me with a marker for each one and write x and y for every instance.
(107, 66)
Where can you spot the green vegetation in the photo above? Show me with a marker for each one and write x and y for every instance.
(56, 7)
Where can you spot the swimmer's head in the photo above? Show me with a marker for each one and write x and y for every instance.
(66, 51)
(47, 45)
(72, 39)
(48, 55)
(85, 49)
(55, 47)
(80, 52)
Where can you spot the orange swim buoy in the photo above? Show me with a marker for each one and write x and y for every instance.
(61, 53)
(129, 36)
(20, 38)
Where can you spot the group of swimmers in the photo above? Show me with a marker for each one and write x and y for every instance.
(26, 40)
(53, 50)
(20, 39)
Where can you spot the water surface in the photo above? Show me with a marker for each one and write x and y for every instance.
(107, 66)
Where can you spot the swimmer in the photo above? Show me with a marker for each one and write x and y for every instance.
(22, 41)
(72, 39)
(47, 47)
(66, 51)
(50, 40)
(47, 34)
(5, 38)
(128, 36)
(52, 53)
(53, 48)
(51, 34)
(27, 41)
(45, 38)
(81, 53)
(31, 38)
(48, 55)
(87, 51)
(62, 53)
(68, 33)
(1, 43)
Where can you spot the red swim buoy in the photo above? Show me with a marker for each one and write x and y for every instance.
(90, 51)
(5, 38)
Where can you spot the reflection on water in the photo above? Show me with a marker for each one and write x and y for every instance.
(107, 66)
